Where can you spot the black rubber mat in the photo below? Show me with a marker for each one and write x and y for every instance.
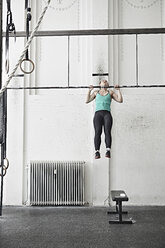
(87, 227)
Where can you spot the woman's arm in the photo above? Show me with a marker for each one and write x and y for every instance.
(91, 97)
(117, 97)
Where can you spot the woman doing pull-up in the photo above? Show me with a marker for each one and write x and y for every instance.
(103, 115)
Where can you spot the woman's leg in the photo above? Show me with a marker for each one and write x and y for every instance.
(108, 121)
(98, 123)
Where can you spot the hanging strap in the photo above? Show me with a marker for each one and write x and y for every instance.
(28, 19)
(10, 27)
(26, 4)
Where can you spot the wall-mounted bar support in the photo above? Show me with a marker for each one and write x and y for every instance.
(137, 62)
(88, 32)
(68, 59)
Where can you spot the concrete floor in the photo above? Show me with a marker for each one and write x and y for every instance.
(87, 227)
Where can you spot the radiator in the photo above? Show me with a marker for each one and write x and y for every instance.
(56, 183)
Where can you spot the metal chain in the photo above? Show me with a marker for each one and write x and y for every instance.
(25, 48)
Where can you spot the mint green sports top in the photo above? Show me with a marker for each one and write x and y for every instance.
(103, 102)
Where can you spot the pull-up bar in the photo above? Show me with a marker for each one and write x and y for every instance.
(83, 87)
(88, 32)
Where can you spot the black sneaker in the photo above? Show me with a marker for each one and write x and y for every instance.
(97, 155)
(108, 154)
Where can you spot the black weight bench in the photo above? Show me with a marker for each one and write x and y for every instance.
(119, 196)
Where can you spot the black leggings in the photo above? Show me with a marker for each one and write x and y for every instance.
(102, 118)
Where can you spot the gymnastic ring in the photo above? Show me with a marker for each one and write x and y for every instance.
(4, 173)
(32, 63)
(7, 165)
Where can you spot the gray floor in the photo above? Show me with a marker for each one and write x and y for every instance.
(87, 227)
